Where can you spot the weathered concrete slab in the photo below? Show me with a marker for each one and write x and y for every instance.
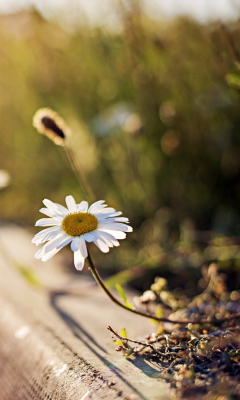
(58, 347)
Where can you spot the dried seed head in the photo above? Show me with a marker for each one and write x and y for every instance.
(49, 123)
(147, 296)
(159, 285)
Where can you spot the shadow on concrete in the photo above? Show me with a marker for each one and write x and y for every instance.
(144, 365)
(84, 336)
(75, 327)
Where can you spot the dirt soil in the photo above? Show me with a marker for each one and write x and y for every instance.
(197, 360)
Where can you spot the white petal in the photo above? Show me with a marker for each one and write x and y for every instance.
(89, 237)
(54, 230)
(83, 206)
(83, 247)
(71, 204)
(115, 226)
(50, 254)
(39, 243)
(95, 205)
(75, 245)
(111, 212)
(49, 204)
(109, 239)
(47, 237)
(78, 260)
(54, 243)
(68, 240)
(115, 219)
(116, 234)
(101, 245)
(49, 221)
(58, 209)
(61, 209)
(108, 214)
(47, 212)
(39, 253)
(98, 210)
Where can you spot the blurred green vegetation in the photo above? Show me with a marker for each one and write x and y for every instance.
(155, 113)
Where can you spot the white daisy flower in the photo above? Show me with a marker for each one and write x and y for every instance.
(78, 224)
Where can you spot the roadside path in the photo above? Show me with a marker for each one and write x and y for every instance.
(57, 347)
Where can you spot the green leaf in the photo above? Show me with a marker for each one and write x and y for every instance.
(118, 342)
(123, 332)
(158, 313)
(123, 295)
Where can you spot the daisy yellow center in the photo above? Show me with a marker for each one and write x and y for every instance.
(78, 223)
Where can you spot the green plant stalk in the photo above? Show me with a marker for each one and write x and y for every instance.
(78, 171)
(100, 282)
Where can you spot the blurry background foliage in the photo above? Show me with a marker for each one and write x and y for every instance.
(155, 113)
